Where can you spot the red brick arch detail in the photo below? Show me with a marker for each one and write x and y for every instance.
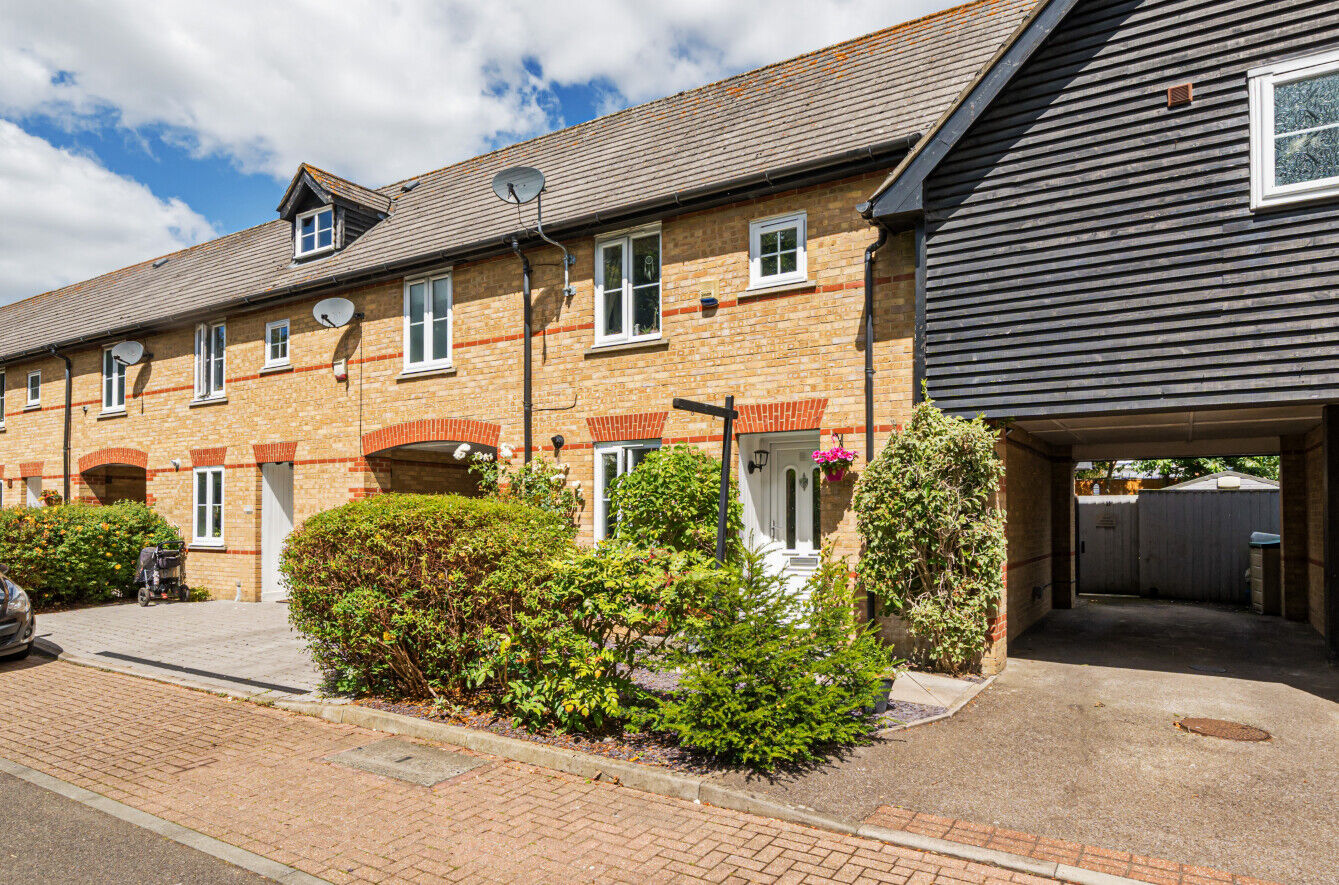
(29, 468)
(804, 414)
(132, 457)
(275, 452)
(467, 430)
(212, 457)
(616, 428)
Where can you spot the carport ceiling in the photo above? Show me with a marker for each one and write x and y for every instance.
(1242, 431)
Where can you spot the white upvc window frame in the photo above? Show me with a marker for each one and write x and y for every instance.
(113, 384)
(212, 505)
(271, 361)
(211, 361)
(1262, 81)
(622, 451)
(430, 323)
(30, 399)
(757, 228)
(623, 239)
(4, 379)
(317, 249)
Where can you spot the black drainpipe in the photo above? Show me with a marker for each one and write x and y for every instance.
(526, 404)
(870, 252)
(69, 405)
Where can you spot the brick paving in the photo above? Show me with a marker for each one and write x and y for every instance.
(1090, 857)
(257, 777)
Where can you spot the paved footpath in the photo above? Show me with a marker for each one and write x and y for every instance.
(258, 778)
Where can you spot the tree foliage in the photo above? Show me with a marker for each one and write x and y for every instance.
(933, 537)
(672, 500)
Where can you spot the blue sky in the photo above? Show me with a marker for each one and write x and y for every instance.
(131, 128)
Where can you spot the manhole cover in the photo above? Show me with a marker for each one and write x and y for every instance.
(408, 761)
(1221, 728)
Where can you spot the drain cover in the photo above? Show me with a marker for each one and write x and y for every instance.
(408, 761)
(1222, 728)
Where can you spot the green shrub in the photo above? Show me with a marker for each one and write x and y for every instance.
(403, 593)
(568, 658)
(671, 500)
(541, 484)
(773, 677)
(933, 538)
(75, 554)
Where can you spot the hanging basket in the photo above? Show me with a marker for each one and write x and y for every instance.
(836, 471)
(834, 462)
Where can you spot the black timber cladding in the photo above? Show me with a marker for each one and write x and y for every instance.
(1090, 250)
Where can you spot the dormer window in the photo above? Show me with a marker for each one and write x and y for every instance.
(315, 231)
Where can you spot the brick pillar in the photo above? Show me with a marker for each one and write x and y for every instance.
(1293, 492)
(1329, 483)
(1063, 542)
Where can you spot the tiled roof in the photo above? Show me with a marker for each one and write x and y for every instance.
(347, 190)
(864, 92)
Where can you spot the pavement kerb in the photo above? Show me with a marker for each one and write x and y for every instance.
(951, 711)
(682, 786)
(238, 857)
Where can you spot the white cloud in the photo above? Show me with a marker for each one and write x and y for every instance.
(65, 217)
(382, 89)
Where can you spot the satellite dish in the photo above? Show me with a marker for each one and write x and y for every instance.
(333, 312)
(519, 184)
(128, 352)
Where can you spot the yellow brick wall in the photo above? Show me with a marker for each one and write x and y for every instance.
(799, 344)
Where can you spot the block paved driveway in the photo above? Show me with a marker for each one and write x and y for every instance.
(258, 777)
(244, 648)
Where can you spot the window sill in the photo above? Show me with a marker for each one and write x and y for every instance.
(776, 288)
(212, 401)
(430, 372)
(650, 344)
(111, 413)
(276, 369)
(207, 547)
(32, 407)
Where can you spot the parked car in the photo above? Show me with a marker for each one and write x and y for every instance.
(18, 624)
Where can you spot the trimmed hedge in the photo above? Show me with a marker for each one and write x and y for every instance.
(400, 593)
(79, 553)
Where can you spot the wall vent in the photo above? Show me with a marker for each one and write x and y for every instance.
(1180, 95)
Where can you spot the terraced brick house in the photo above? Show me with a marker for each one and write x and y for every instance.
(718, 251)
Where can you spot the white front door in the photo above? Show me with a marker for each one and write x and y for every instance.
(33, 485)
(791, 525)
(276, 521)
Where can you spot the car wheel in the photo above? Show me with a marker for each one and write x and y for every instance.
(143, 597)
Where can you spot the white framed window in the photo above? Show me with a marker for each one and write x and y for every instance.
(34, 388)
(778, 252)
(32, 487)
(1295, 131)
(315, 232)
(427, 323)
(612, 460)
(2, 397)
(276, 344)
(211, 346)
(113, 382)
(627, 287)
(208, 528)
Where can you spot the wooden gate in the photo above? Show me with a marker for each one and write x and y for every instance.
(1109, 544)
(1194, 544)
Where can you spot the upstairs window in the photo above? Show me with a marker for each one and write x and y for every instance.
(627, 288)
(34, 388)
(427, 323)
(211, 342)
(113, 382)
(1295, 131)
(315, 231)
(276, 344)
(778, 251)
(2, 398)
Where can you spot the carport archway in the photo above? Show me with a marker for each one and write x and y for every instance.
(429, 456)
(114, 474)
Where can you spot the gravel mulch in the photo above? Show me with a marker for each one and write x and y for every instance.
(907, 713)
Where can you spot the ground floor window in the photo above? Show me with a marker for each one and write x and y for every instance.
(209, 506)
(612, 460)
